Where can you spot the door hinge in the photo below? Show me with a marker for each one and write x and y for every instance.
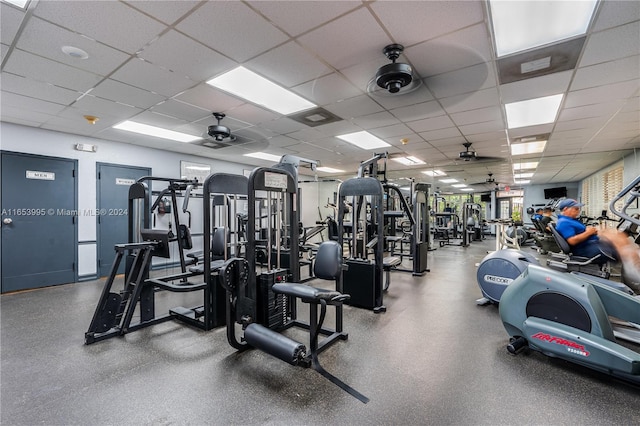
(73, 266)
(73, 219)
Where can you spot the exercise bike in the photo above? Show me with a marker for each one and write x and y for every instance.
(574, 316)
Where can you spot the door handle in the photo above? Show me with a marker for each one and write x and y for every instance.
(7, 221)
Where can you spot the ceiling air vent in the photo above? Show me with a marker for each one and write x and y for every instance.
(542, 61)
(315, 117)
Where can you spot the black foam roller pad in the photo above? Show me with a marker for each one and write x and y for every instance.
(274, 343)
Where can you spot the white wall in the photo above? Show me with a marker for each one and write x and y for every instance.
(31, 140)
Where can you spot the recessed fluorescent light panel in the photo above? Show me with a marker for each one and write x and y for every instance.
(522, 25)
(158, 132)
(533, 111)
(329, 170)
(521, 182)
(448, 180)
(522, 175)
(408, 161)
(265, 156)
(459, 185)
(525, 166)
(528, 148)
(466, 189)
(250, 86)
(434, 173)
(364, 140)
(22, 4)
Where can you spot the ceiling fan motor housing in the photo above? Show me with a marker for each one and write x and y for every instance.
(218, 131)
(394, 77)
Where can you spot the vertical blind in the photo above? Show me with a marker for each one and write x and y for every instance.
(599, 189)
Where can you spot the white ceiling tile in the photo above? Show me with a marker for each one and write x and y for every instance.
(41, 69)
(282, 142)
(16, 115)
(354, 107)
(46, 39)
(390, 131)
(288, 65)
(3, 51)
(306, 135)
(10, 18)
(327, 90)
(497, 138)
(227, 18)
(624, 38)
(391, 101)
(602, 93)
(446, 133)
(614, 13)
(167, 11)
(283, 125)
(414, 21)
(551, 84)
(582, 123)
(205, 96)
(26, 103)
(147, 76)
(181, 110)
(297, 17)
(461, 49)
(378, 119)
(347, 41)
(477, 115)
(253, 114)
(605, 109)
(91, 105)
(530, 130)
(37, 89)
(179, 53)
(159, 120)
(418, 111)
(338, 128)
(448, 141)
(608, 72)
(466, 80)
(96, 20)
(487, 126)
(470, 101)
(124, 93)
(428, 124)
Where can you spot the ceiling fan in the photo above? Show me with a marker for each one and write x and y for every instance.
(470, 154)
(395, 78)
(218, 132)
(218, 136)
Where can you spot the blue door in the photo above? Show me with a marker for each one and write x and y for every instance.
(112, 216)
(39, 221)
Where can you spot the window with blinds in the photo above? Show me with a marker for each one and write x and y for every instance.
(598, 190)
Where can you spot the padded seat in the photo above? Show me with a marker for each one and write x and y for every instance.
(306, 293)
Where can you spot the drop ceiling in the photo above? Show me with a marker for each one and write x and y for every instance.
(149, 61)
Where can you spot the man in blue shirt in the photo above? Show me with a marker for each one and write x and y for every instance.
(583, 240)
(537, 215)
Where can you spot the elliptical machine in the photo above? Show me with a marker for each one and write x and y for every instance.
(574, 316)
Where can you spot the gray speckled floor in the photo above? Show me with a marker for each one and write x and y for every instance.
(433, 358)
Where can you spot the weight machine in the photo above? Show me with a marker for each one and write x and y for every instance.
(114, 313)
(265, 304)
(363, 279)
